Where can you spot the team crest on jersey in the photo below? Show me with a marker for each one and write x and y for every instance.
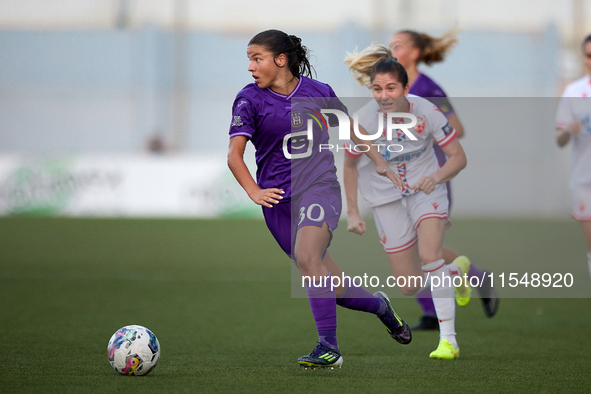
(420, 126)
(296, 119)
(237, 121)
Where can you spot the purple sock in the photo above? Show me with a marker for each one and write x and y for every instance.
(474, 271)
(425, 300)
(359, 299)
(324, 309)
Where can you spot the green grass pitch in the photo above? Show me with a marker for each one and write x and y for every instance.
(217, 295)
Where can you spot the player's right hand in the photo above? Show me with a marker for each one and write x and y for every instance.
(356, 224)
(266, 197)
(390, 174)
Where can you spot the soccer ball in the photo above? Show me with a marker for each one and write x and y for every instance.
(133, 350)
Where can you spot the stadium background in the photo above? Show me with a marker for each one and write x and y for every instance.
(114, 113)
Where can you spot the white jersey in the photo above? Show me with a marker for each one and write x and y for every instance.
(575, 105)
(416, 159)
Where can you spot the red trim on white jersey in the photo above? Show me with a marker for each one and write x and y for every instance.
(403, 247)
(428, 216)
(581, 218)
(350, 151)
(450, 137)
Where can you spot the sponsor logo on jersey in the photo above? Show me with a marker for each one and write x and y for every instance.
(317, 116)
(237, 121)
(435, 205)
(581, 206)
(383, 238)
(447, 129)
(240, 103)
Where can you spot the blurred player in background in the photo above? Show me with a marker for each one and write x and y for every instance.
(573, 123)
(297, 185)
(411, 222)
(411, 49)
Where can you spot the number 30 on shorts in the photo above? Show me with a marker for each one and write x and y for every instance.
(315, 213)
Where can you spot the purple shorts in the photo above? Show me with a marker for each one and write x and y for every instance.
(320, 203)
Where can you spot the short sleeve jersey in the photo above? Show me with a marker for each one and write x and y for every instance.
(575, 105)
(277, 126)
(415, 160)
(429, 89)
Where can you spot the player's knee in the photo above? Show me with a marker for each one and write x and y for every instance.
(409, 290)
(305, 260)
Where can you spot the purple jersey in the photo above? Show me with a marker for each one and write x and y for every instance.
(277, 125)
(425, 87)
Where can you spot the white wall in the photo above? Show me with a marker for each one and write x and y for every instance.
(83, 92)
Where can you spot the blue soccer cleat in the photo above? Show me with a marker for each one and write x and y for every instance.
(322, 357)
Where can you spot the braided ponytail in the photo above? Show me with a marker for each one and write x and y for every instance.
(299, 64)
(278, 42)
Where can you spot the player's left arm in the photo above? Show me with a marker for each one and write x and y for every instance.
(454, 121)
(567, 124)
(456, 162)
(563, 134)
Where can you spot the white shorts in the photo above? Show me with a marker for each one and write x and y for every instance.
(397, 221)
(581, 199)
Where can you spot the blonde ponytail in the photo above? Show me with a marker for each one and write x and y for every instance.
(361, 64)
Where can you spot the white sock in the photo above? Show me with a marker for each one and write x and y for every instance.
(443, 299)
(589, 261)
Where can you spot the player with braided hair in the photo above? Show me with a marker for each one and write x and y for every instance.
(297, 185)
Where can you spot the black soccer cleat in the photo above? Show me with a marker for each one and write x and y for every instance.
(396, 327)
(488, 296)
(426, 323)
